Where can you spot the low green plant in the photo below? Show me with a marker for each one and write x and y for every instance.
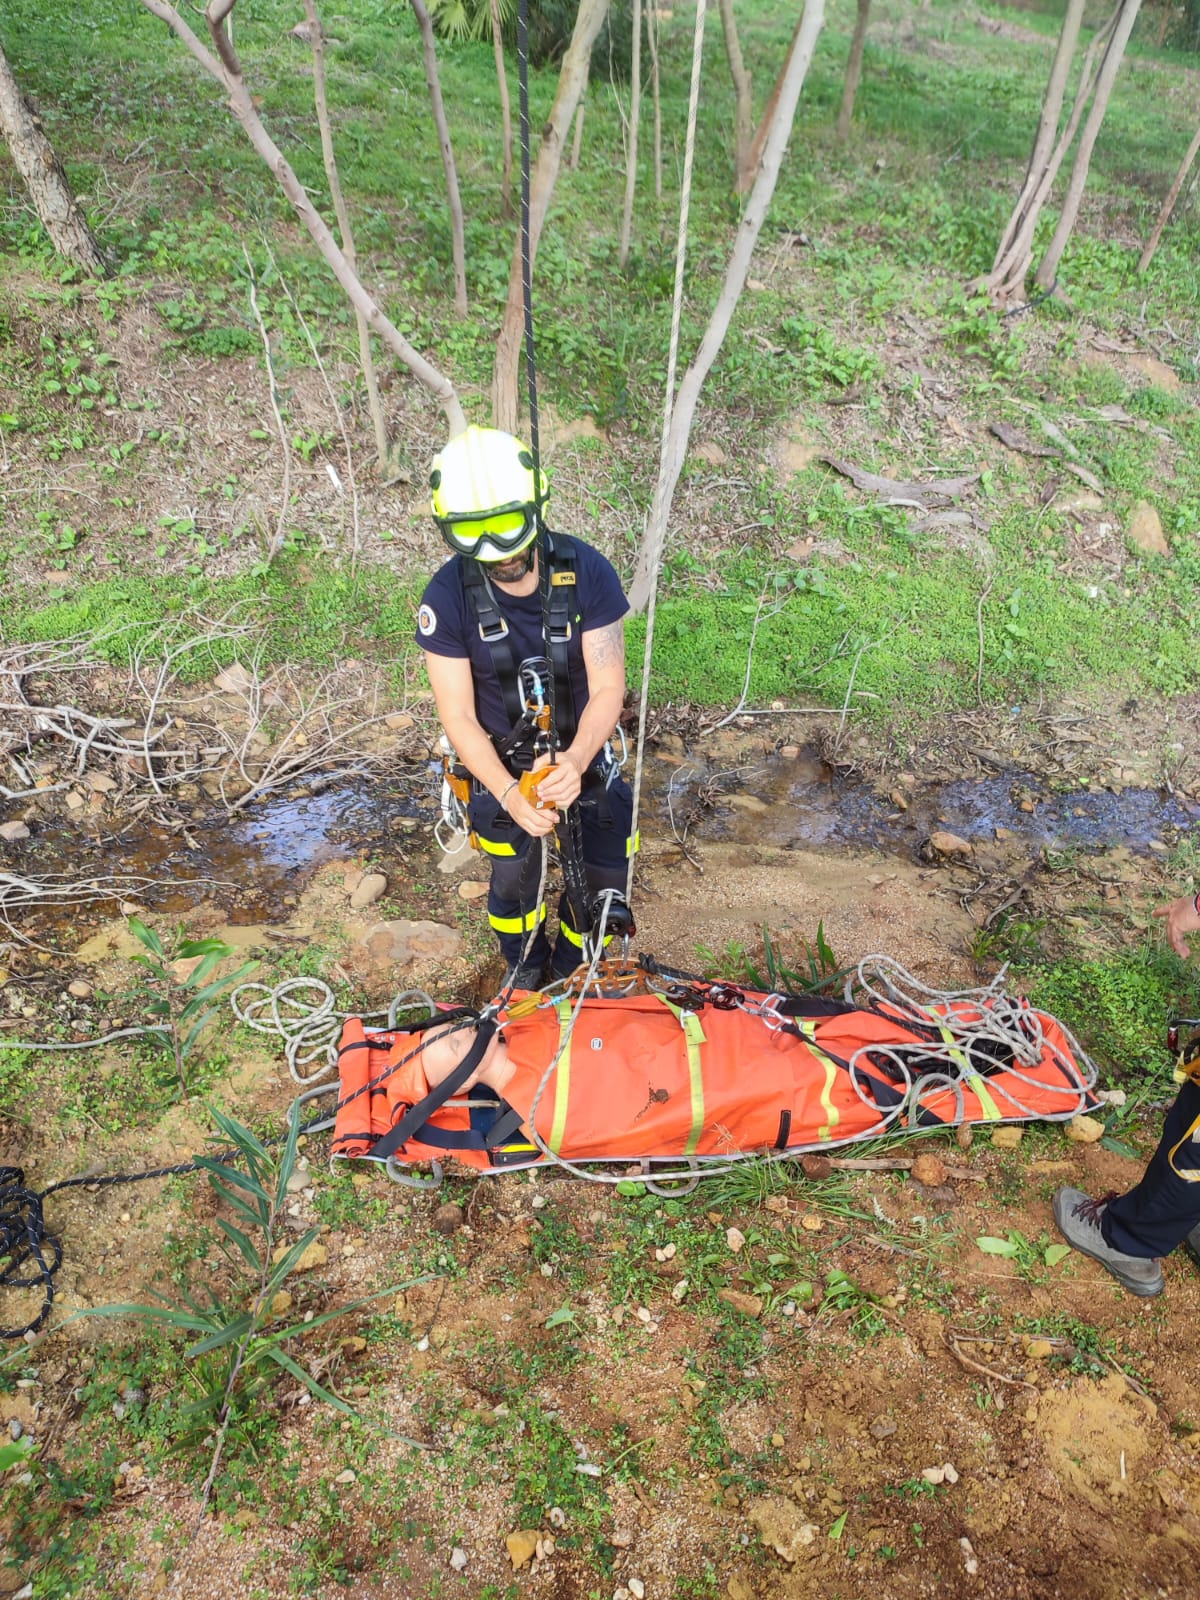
(185, 1002)
(239, 1351)
(1028, 1257)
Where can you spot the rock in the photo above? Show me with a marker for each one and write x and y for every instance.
(234, 679)
(709, 450)
(929, 1171)
(964, 1135)
(1145, 530)
(1039, 1349)
(934, 1475)
(783, 1527)
(457, 857)
(671, 744)
(314, 1256)
(79, 990)
(397, 723)
(458, 1556)
(371, 887)
(99, 782)
(739, 1589)
(883, 1428)
(816, 1166)
(944, 843)
(1156, 372)
(402, 942)
(749, 1305)
(347, 1476)
(521, 1547)
(281, 1303)
(750, 803)
(735, 1239)
(133, 1397)
(636, 1588)
(472, 889)
(15, 1429)
(812, 1223)
(1007, 1137)
(1078, 500)
(13, 832)
(75, 801)
(449, 1218)
(1084, 1129)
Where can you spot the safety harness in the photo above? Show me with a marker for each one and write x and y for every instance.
(518, 744)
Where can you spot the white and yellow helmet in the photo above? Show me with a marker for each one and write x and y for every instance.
(486, 494)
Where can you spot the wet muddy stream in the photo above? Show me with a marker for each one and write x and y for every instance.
(256, 865)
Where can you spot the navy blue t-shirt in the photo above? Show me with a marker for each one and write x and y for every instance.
(446, 626)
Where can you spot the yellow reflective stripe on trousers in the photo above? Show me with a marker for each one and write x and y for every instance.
(576, 938)
(991, 1111)
(518, 924)
(693, 1036)
(562, 1077)
(633, 844)
(833, 1116)
(495, 847)
(1189, 1174)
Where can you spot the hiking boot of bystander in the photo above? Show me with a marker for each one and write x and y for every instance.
(1078, 1218)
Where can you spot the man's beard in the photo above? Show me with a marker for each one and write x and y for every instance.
(514, 569)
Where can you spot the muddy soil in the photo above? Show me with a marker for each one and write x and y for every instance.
(772, 1445)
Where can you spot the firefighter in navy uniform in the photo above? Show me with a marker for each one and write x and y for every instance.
(491, 667)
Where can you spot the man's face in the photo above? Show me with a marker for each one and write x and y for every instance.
(512, 570)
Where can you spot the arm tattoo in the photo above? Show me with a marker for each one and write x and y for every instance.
(606, 646)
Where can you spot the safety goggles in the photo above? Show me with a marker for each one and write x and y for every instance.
(507, 528)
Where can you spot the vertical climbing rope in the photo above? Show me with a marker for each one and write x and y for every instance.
(657, 531)
(570, 832)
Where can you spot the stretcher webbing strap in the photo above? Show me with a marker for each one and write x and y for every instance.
(971, 1080)
(693, 1035)
(562, 1077)
(808, 1027)
(416, 1116)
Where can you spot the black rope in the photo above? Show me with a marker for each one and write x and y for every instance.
(30, 1256)
(1031, 305)
(570, 832)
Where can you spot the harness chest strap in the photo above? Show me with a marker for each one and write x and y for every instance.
(493, 630)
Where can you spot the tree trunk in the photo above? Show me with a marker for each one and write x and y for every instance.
(227, 71)
(853, 69)
(1164, 22)
(635, 116)
(505, 108)
(656, 91)
(767, 121)
(1052, 104)
(1011, 266)
(572, 80)
(1047, 273)
(34, 158)
(1168, 205)
(577, 141)
(383, 443)
(459, 247)
(743, 103)
(775, 143)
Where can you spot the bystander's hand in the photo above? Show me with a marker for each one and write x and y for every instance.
(1182, 917)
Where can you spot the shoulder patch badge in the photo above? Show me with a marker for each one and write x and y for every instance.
(426, 621)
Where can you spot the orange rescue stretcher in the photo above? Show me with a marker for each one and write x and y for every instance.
(706, 1073)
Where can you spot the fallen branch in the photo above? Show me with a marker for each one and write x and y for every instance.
(979, 1367)
(895, 491)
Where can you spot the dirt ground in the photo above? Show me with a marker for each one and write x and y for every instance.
(781, 1448)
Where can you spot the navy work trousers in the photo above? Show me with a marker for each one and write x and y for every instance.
(514, 909)
(1158, 1213)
